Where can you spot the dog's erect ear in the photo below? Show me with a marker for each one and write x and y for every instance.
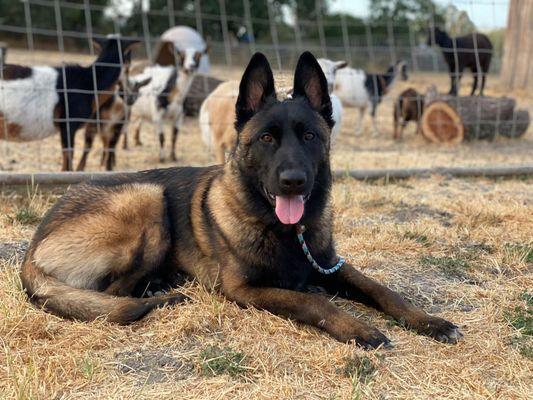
(257, 86)
(310, 82)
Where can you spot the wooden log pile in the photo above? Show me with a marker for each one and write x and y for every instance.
(449, 119)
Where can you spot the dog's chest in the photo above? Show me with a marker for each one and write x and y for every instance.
(283, 265)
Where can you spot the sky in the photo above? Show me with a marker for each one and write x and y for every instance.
(485, 14)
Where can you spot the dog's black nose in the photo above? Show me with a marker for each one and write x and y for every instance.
(292, 180)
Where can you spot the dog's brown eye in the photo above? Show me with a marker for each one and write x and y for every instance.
(266, 137)
(309, 136)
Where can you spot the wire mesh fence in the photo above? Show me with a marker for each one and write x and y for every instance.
(59, 33)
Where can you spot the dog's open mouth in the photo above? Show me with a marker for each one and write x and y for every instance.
(289, 208)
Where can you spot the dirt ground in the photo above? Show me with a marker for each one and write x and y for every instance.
(349, 151)
(461, 249)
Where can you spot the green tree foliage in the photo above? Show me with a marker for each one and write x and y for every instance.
(48, 17)
(414, 13)
(457, 22)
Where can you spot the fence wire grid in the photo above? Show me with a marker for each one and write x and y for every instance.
(58, 33)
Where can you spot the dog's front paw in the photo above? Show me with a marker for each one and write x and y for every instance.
(372, 340)
(364, 336)
(439, 329)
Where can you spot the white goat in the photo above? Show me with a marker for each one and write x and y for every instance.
(330, 69)
(358, 89)
(161, 100)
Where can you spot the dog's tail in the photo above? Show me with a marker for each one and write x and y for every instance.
(84, 304)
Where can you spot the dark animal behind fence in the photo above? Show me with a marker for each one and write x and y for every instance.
(78, 104)
(473, 51)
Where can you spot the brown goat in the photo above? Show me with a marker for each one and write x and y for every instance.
(409, 107)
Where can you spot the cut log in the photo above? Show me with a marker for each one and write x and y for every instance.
(201, 87)
(449, 119)
(441, 124)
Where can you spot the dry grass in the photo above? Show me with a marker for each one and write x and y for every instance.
(462, 249)
(349, 151)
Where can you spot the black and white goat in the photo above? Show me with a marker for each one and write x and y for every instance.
(36, 101)
(161, 101)
(473, 51)
(356, 88)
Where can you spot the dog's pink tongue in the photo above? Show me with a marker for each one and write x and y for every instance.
(289, 209)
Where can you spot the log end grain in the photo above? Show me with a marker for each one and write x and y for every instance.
(442, 124)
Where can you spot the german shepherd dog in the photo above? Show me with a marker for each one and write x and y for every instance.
(232, 227)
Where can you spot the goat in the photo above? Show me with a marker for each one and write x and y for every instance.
(330, 69)
(162, 99)
(472, 51)
(113, 116)
(356, 88)
(409, 107)
(58, 97)
(217, 119)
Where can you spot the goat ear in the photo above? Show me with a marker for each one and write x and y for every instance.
(207, 48)
(164, 53)
(310, 83)
(98, 44)
(340, 64)
(142, 83)
(255, 89)
(127, 45)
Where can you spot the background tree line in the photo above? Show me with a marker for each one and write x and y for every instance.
(106, 16)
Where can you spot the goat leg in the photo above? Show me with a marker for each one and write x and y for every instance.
(67, 145)
(483, 77)
(175, 131)
(474, 85)
(90, 133)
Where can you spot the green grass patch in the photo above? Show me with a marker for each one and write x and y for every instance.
(87, 367)
(219, 361)
(454, 267)
(417, 237)
(27, 215)
(521, 251)
(361, 369)
(521, 318)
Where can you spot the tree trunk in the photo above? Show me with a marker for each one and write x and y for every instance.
(449, 119)
(518, 46)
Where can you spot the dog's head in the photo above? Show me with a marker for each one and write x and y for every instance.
(283, 147)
